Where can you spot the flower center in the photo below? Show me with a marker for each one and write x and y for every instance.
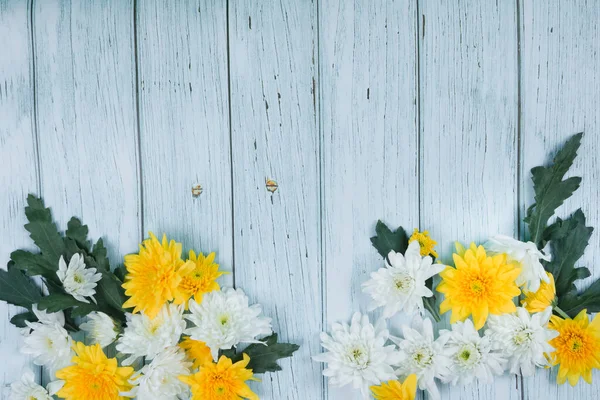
(404, 283)
(423, 357)
(359, 357)
(223, 320)
(78, 278)
(575, 343)
(468, 356)
(523, 337)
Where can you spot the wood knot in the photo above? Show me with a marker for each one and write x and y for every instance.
(196, 190)
(271, 185)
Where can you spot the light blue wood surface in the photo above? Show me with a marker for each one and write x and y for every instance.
(423, 113)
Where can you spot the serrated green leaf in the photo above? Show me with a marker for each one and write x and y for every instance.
(568, 244)
(19, 319)
(550, 189)
(18, 289)
(58, 302)
(78, 232)
(33, 264)
(109, 287)
(264, 356)
(100, 255)
(42, 230)
(572, 303)
(386, 240)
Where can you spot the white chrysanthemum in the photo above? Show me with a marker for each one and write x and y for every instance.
(224, 320)
(471, 356)
(400, 286)
(77, 280)
(145, 337)
(47, 341)
(159, 380)
(522, 339)
(422, 355)
(28, 389)
(101, 328)
(358, 354)
(527, 254)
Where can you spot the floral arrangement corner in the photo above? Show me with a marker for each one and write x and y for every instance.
(175, 331)
(489, 334)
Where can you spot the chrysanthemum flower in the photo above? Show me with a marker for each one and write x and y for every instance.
(426, 243)
(358, 354)
(222, 380)
(154, 274)
(93, 376)
(199, 280)
(544, 297)
(422, 355)
(471, 356)
(77, 280)
(196, 351)
(145, 337)
(28, 389)
(522, 339)
(479, 285)
(224, 319)
(577, 347)
(394, 390)
(47, 341)
(401, 285)
(159, 380)
(526, 254)
(100, 328)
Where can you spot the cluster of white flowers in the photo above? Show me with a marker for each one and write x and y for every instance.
(360, 353)
(223, 319)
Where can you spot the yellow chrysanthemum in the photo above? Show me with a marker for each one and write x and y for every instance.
(199, 280)
(93, 376)
(479, 285)
(222, 381)
(394, 390)
(427, 244)
(196, 351)
(577, 347)
(154, 274)
(545, 296)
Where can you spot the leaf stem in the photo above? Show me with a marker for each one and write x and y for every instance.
(430, 306)
(561, 312)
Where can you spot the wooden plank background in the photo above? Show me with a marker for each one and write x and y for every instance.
(423, 113)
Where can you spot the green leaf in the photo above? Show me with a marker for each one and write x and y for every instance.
(78, 232)
(386, 240)
(18, 289)
(572, 303)
(100, 255)
(83, 309)
(264, 356)
(33, 264)
(550, 189)
(109, 287)
(19, 319)
(120, 272)
(58, 302)
(42, 230)
(570, 237)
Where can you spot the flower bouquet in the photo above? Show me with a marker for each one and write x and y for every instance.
(175, 332)
(481, 287)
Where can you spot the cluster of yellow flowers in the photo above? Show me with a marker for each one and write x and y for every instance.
(155, 276)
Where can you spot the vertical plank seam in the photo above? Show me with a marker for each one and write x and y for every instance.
(35, 130)
(520, 227)
(138, 123)
(319, 120)
(418, 110)
(230, 141)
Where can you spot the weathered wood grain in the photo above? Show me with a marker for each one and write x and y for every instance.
(560, 86)
(368, 63)
(184, 125)
(468, 120)
(18, 154)
(274, 120)
(85, 93)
